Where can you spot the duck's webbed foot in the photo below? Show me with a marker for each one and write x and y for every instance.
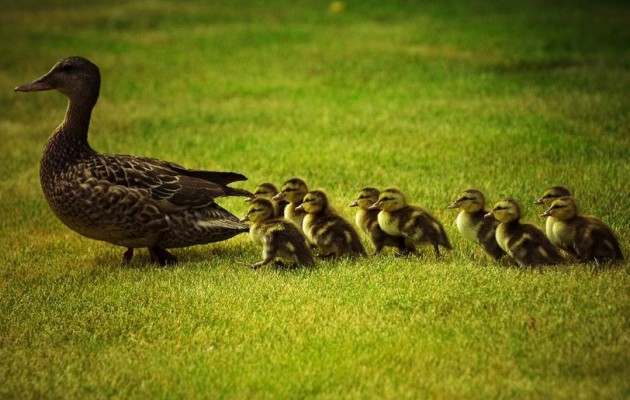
(128, 255)
(161, 257)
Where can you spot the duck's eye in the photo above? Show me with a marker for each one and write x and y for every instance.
(386, 199)
(556, 206)
(65, 67)
(288, 190)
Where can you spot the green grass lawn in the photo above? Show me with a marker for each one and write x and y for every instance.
(432, 97)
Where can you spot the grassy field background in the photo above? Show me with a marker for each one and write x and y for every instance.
(430, 96)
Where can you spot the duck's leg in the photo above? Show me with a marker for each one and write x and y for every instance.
(161, 257)
(128, 255)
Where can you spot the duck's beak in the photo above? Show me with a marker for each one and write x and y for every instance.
(546, 213)
(36, 86)
(489, 215)
(353, 204)
(374, 206)
(249, 199)
(454, 205)
(300, 207)
(244, 219)
(539, 201)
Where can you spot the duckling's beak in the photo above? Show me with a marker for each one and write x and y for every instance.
(300, 207)
(244, 219)
(490, 215)
(454, 205)
(249, 199)
(375, 206)
(539, 201)
(546, 213)
(353, 204)
(279, 196)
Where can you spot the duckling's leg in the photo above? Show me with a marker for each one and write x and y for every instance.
(161, 257)
(128, 255)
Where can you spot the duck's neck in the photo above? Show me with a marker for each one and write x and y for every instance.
(69, 142)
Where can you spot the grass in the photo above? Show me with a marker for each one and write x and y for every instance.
(432, 97)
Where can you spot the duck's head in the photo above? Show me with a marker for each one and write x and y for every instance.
(390, 200)
(366, 197)
(259, 210)
(470, 200)
(551, 194)
(265, 190)
(292, 191)
(562, 208)
(506, 211)
(314, 202)
(72, 76)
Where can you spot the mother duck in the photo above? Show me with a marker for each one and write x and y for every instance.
(122, 199)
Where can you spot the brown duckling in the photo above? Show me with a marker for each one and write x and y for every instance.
(472, 224)
(547, 198)
(125, 200)
(293, 191)
(413, 223)
(367, 220)
(268, 190)
(524, 243)
(330, 233)
(278, 237)
(585, 237)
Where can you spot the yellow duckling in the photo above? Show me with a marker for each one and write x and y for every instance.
(548, 197)
(279, 238)
(330, 233)
(267, 190)
(367, 220)
(472, 224)
(293, 191)
(413, 223)
(585, 237)
(525, 243)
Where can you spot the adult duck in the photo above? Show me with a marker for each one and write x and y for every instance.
(125, 200)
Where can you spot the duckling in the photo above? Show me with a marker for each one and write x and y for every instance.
(367, 220)
(472, 224)
(524, 243)
(267, 190)
(585, 237)
(413, 223)
(330, 233)
(279, 237)
(293, 192)
(548, 197)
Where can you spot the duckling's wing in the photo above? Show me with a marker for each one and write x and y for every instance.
(167, 185)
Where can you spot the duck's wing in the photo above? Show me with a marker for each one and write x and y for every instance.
(167, 183)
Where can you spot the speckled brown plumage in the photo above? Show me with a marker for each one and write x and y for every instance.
(122, 199)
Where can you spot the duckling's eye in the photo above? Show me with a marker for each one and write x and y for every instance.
(556, 206)
(386, 199)
(549, 196)
(288, 190)
(500, 208)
